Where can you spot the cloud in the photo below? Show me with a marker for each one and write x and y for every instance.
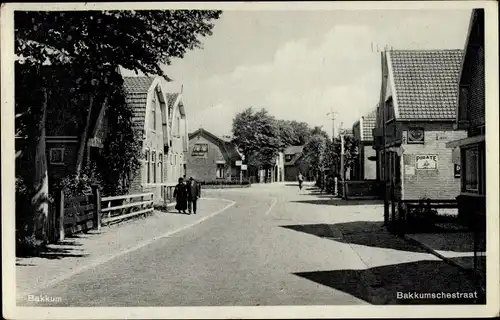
(305, 80)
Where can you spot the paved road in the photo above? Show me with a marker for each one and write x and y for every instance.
(275, 246)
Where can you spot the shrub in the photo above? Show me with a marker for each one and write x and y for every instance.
(421, 218)
(74, 186)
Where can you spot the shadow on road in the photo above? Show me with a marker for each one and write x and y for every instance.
(63, 249)
(341, 202)
(53, 252)
(365, 233)
(421, 277)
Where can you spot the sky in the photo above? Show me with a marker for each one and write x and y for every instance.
(301, 65)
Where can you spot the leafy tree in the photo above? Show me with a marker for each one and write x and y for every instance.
(314, 153)
(257, 136)
(293, 133)
(95, 43)
(350, 152)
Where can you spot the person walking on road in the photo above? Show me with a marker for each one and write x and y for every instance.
(301, 179)
(181, 196)
(194, 193)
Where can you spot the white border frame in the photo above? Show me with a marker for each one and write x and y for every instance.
(272, 312)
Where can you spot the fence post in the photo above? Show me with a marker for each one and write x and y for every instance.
(59, 214)
(97, 207)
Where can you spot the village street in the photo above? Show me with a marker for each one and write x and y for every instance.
(274, 246)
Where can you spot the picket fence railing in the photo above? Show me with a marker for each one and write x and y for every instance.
(128, 208)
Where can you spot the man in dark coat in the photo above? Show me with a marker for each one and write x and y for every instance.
(194, 193)
(181, 196)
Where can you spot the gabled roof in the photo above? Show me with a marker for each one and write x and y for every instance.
(293, 149)
(424, 83)
(172, 98)
(296, 152)
(136, 90)
(230, 148)
(368, 124)
(139, 85)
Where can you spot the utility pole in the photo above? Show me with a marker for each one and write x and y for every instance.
(332, 113)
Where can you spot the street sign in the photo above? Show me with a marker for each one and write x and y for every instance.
(426, 162)
(239, 162)
(243, 167)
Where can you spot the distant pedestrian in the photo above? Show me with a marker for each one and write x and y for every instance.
(301, 179)
(181, 196)
(194, 193)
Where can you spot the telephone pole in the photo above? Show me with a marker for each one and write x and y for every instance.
(333, 113)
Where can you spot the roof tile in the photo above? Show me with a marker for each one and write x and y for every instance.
(369, 122)
(426, 83)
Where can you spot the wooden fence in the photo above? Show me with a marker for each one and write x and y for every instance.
(409, 216)
(167, 191)
(83, 213)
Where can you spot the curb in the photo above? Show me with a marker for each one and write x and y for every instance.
(445, 259)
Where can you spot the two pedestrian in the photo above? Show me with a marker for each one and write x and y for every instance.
(181, 196)
(194, 193)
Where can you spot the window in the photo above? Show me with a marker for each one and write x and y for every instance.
(146, 163)
(153, 114)
(160, 165)
(470, 168)
(56, 155)
(153, 165)
(200, 150)
(220, 171)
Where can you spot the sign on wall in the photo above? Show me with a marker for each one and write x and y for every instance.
(238, 163)
(456, 170)
(200, 150)
(426, 162)
(243, 167)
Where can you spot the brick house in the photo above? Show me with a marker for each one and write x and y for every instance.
(212, 158)
(365, 167)
(294, 163)
(159, 117)
(470, 116)
(418, 110)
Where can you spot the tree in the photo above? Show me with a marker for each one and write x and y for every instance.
(314, 153)
(257, 135)
(97, 42)
(293, 133)
(350, 152)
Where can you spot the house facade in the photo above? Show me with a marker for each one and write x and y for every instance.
(63, 127)
(276, 173)
(212, 158)
(294, 163)
(365, 167)
(159, 116)
(416, 115)
(471, 117)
